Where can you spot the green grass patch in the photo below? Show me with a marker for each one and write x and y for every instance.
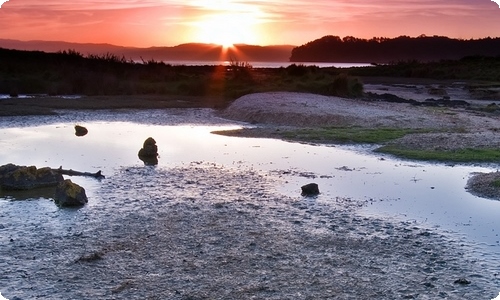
(495, 183)
(346, 135)
(461, 155)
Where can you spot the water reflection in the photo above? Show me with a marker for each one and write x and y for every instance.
(430, 194)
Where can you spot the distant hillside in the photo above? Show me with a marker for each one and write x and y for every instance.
(184, 52)
(383, 50)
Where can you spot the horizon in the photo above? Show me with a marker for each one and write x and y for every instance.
(169, 23)
(226, 46)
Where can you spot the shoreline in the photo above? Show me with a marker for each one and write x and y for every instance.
(203, 230)
(277, 114)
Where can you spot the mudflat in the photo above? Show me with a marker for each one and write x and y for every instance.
(204, 231)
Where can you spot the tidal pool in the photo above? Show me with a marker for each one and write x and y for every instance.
(427, 195)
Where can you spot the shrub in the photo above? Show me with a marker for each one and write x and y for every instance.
(345, 86)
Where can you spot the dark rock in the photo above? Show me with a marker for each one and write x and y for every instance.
(80, 130)
(386, 97)
(462, 281)
(492, 107)
(69, 194)
(445, 102)
(13, 177)
(438, 91)
(310, 189)
(149, 152)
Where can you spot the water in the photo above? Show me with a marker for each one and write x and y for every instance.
(427, 193)
(267, 64)
(423, 195)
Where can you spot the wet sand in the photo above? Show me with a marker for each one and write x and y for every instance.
(208, 232)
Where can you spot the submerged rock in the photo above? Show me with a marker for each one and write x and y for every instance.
(149, 152)
(14, 177)
(80, 130)
(69, 194)
(310, 189)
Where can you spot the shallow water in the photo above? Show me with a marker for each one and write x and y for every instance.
(350, 178)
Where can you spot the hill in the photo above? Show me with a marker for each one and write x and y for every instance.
(383, 50)
(184, 52)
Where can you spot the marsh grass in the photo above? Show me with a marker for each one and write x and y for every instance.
(459, 155)
(358, 135)
(347, 135)
(495, 183)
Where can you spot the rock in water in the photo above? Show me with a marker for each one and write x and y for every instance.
(13, 177)
(80, 130)
(149, 152)
(310, 189)
(69, 194)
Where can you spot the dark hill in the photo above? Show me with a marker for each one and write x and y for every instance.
(383, 50)
(183, 52)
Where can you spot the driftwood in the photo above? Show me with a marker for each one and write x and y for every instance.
(70, 172)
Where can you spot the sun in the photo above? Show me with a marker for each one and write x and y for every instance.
(227, 29)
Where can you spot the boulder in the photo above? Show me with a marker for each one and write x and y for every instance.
(69, 194)
(13, 177)
(80, 130)
(310, 189)
(149, 152)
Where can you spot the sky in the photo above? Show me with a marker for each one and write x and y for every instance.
(146, 23)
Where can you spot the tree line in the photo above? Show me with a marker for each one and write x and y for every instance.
(383, 50)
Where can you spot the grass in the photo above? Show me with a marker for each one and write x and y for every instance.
(460, 155)
(495, 183)
(347, 135)
(358, 135)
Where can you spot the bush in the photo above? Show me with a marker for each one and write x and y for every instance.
(345, 86)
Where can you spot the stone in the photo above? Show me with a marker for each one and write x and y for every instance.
(80, 130)
(149, 152)
(69, 194)
(462, 281)
(14, 177)
(310, 189)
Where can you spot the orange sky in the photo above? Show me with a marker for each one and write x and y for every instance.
(145, 23)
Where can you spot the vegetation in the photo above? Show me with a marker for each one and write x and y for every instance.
(69, 72)
(346, 135)
(384, 50)
(360, 135)
(495, 183)
(467, 68)
(461, 155)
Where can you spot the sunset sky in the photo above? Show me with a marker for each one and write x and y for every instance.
(145, 23)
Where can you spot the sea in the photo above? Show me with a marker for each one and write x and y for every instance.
(266, 64)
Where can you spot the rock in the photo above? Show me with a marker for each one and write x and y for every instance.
(69, 194)
(13, 177)
(310, 189)
(462, 281)
(149, 152)
(80, 130)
